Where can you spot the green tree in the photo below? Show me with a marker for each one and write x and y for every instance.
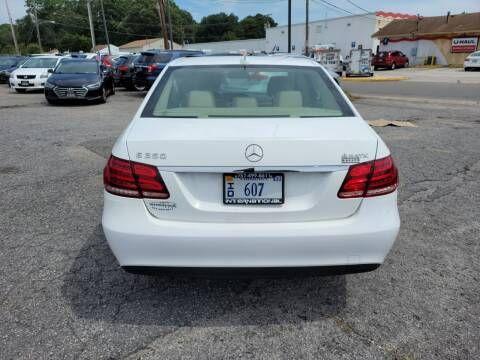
(74, 42)
(217, 27)
(64, 24)
(6, 42)
(253, 27)
(31, 48)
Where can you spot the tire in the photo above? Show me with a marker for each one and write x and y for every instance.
(103, 99)
(393, 66)
(375, 68)
(467, 69)
(130, 86)
(21, 91)
(139, 87)
(52, 102)
(112, 90)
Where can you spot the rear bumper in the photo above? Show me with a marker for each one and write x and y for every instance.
(138, 239)
(145, 80)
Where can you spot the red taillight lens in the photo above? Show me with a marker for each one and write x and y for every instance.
(131, 179)
(123, 68)
(152, 68)
(373, 178)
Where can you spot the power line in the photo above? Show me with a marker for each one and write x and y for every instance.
(358, 7)
(340, 9)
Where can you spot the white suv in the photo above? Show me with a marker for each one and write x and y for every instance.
(33, 74)
(249, 162)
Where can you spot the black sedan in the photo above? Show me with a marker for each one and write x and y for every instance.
(8, 64)
(79, 79)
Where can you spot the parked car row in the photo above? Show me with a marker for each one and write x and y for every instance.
(86, 77)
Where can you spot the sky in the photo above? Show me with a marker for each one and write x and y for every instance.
(278, 8)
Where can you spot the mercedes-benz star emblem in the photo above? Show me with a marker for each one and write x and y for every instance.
(254, 153)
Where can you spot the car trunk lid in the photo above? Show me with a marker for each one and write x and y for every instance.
(193, 154)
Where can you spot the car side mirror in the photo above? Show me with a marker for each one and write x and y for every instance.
(50, 71)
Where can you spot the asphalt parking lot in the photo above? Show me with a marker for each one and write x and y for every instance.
(64, 296)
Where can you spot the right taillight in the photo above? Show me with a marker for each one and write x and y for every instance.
(372, 178)
(132, 179)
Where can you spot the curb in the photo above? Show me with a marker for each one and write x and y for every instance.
(446, 102)
(375, 78)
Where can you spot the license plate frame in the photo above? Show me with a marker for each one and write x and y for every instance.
(25, 83)
(255, 201)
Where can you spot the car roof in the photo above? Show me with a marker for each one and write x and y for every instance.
(286, 60)
(79, 60)
(47, 57)
(162, 51)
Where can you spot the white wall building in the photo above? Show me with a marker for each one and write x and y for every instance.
(227, 46)
(145, 44)
(103, 49)
(345, 33)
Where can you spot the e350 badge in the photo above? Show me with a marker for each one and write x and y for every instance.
(353, 158)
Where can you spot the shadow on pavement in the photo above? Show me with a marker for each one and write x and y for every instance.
(98, 289)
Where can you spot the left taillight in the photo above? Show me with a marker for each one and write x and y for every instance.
(131, 179)
(372, 178)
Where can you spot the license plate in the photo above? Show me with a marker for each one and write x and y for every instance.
(253, 189)
(24, 83)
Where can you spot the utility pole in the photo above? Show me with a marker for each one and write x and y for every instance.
(37, 27)
(90, 20)
(169, 12)
(14, 37)
(307, 29)
(289, 26)
(163, 24)
(105, 28)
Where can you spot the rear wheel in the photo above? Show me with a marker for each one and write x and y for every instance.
(467, 69)
(21, 90)
(139, 87)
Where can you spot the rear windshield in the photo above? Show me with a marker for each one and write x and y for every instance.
(77, 67)
(148, 58)
(121, 60)
(40, 63)
(246, 91)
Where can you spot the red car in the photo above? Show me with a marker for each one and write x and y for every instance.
(390, 60)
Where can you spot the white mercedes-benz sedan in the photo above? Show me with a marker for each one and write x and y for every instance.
(249, 163)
